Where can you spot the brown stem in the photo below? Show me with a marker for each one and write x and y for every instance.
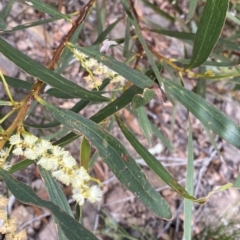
(59, 5)
(26, 102)
(79, 20)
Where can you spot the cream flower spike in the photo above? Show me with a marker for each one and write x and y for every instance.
(94, 194)
(97, 71)
(61, 163)
(15, 139)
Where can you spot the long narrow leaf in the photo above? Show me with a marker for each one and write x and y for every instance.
(116, 157)
(231, 17)
(160, 135)
(192, 7)
(236, 183)
(116, 105)
(6, 10)
(104, 34)
(144, 123)
(206, 113)
(20, 165)
(29, 25)
(17, 83)
(127, 37)
(189, 187)
(209, 30)
(158, 11)
(43, 7)
(153, 163)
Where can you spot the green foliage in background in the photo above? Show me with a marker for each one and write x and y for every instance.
(212, 59)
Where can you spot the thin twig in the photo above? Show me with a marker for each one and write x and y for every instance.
(97, 217)
(204, 167)
(177, 212)
(46, 214)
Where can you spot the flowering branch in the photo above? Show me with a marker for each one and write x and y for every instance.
(26, 102)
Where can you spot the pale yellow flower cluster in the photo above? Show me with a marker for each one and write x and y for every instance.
(61, 164)
(7, 225)
(96, 70)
